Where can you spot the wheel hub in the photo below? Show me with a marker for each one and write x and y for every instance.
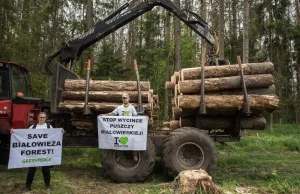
(190, 155)
(124, 160)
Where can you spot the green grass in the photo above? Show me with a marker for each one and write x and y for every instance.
(267, 161)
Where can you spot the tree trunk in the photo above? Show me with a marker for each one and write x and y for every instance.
(90, 25)
(255, 123)
(227, 70)
(246, 32)
(260, 102)
(105, 96)
(167, 61)
(97, 85)
(177, 40)
(169, 85)
(225, 83)
(221, 29)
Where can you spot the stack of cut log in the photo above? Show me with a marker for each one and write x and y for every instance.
(104, 97)
(223, 96)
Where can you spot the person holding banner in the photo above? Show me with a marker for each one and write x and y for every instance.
(126, 109)
(42, 116)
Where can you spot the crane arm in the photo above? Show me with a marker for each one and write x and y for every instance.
(72, 49)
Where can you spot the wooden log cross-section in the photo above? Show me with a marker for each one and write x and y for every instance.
(227, 70)
(225, 83)
(99, 85)
(261, 102)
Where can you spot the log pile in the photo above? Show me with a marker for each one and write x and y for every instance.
(104, 97)
(223, 96)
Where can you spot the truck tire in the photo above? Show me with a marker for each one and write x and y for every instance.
(121, 167)
(188, 148)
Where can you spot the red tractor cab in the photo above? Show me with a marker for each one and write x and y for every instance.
(17, 109)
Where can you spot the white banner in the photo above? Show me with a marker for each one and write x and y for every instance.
(35, 147)
(122, 132)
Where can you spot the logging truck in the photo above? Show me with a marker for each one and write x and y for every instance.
(211, 103)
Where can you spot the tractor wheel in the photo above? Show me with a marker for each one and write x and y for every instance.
(188, 148)
(121, 167)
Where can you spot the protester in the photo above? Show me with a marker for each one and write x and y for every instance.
(126, 109)
(42, 116)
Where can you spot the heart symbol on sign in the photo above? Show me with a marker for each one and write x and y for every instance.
(124, 140)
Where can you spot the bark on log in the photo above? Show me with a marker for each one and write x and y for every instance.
(227, 70)
(174, 124)
(102, 107)
(261, 102)
(99, 85)
(259, 91)
(225, 83)
(176, 112)
(84, 125)
(105, 96)
(255, 123)
(169, 85)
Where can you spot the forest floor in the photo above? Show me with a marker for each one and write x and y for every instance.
(262, 162)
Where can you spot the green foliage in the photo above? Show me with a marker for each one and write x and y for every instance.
(108, 65)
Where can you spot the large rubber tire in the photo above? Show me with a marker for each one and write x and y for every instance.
(189, 148)
(121, 167)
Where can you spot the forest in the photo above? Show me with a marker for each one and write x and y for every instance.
(256, 30)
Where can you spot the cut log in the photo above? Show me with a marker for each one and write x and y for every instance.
(155, 99)
(176, 77)
(255, 123)
(186, 112)
(99, 85)
(259, 91)
(169, 85)
(166, 124)
(84, 125)
(174, 124)
(261, 102)
(173, 79)
(227, 70)
(156, 107)
(102, 107)
(225, 83)
(105, 96)
(176, 112)
(173, 102)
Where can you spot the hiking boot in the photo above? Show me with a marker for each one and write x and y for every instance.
(48, 189)
(27, 188)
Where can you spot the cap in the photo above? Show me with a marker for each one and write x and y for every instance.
(125, 95)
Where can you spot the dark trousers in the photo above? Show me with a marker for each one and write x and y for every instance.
(31, 172)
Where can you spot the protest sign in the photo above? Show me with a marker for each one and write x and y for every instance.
(122, 132)
(32, 147)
